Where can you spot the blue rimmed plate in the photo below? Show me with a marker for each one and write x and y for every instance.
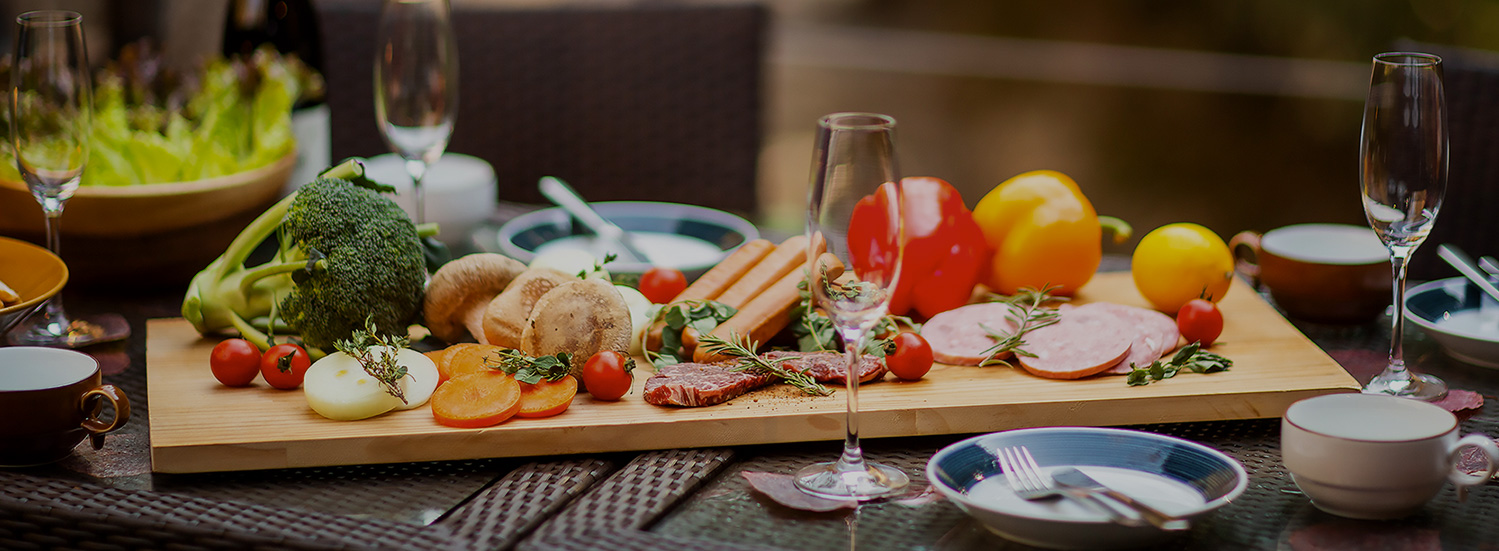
(1178, 477)
(1459, 317)
(687, 237)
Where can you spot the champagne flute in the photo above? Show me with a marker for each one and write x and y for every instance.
(854, 212)
(416, 84)
(50, 111)
(1403, 173)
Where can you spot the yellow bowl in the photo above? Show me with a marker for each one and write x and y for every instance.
(33, 272)
(119, 211)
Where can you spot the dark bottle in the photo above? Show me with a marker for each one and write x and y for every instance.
(291, 26)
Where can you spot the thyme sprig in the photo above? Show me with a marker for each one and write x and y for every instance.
(743, 349)
(1190, 357)
(527, 369)
(385, 369)
(1027, 313)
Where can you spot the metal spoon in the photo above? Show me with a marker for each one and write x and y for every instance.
(567, 198)
(1460, 260)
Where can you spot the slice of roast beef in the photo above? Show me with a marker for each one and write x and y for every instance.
(694, 384)
(829, 367)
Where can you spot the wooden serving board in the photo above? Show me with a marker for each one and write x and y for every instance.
(198, 425)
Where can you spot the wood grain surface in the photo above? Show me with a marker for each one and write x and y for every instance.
(197, 425)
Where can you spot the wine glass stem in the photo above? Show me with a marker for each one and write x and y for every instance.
(418, 170)
(57, 319)
(852, 459)
(1398, 259)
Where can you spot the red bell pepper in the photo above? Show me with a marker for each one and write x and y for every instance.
(945, 250)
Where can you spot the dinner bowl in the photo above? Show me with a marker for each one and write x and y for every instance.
(34, 273)
(1181, 478)
(1459, 316)
(686, 237)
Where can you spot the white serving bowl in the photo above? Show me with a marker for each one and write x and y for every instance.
(710, 233)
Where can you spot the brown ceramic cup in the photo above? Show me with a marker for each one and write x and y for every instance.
(50, 399)
(1330, 273)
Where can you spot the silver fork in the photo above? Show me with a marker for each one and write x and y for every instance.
(1031, 483)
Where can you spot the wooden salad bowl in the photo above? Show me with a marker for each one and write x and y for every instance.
(141, 210)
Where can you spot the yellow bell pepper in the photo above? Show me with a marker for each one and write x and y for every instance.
(1043, 232)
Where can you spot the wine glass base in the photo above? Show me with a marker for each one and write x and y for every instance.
(77, 333)
(1416, 387)
(827, 481)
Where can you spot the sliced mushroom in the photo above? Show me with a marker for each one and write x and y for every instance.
(505, 317)
(461, 289)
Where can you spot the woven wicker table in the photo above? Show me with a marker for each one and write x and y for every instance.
(686, 499)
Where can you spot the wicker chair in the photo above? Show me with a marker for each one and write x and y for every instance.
(652, 101)
(1470, 211)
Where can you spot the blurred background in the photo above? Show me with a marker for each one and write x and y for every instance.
(1236, 115)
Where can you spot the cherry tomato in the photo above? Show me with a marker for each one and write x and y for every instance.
(607, 375)
(660, 285)
(912, 357)
(1200, 321)
(235, 362)
(284, 365)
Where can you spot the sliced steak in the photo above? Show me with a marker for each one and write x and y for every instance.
(693, 384)
(829, 367)
(958, 336)
(1156, 334)
(1083, 342)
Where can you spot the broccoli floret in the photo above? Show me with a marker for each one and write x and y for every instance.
(345, 254)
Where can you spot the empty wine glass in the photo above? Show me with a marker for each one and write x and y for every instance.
(416, 84)
(50, 110)
(854, 212)
(1403, 173)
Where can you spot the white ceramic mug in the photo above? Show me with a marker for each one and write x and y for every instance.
(1372, 456)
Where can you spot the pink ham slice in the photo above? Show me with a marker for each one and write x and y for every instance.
(958, 336)
(1083, 342)
(1156, 334)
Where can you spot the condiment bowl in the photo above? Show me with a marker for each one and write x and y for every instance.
(1459, 316)
(34, 273)
(686, 237)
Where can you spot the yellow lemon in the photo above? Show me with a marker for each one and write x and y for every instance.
(1178, 262)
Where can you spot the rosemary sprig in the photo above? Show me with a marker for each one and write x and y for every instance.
(740, 347)
(1190, 357)
(1028, 313)
(527, 369)
(385, 369)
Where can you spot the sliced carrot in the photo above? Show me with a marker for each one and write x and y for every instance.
(469, 359)
(476, 400)
(546, 398)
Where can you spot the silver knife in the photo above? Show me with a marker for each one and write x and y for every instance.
(1073, 478)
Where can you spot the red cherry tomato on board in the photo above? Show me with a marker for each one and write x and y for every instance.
(284, 365)
(607, 376)
(661, 285)
(235, 362)
(1200, 321)
(912, 357)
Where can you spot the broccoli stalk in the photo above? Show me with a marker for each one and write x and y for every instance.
(345, 255)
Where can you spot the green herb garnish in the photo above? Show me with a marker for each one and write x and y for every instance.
(701, 315)
(1190, 357)
(741, 348)
(385, 369)
(1028, 313)
(527, 369)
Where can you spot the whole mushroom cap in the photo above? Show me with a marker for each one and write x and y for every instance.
(462, 288)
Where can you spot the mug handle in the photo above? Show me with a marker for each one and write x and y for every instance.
(90, 402)
(1490, 460)
(1247, 263)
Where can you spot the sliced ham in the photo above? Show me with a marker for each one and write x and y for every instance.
(958, 336)
(1156, 334)
(829, 367)
(1084, 341)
